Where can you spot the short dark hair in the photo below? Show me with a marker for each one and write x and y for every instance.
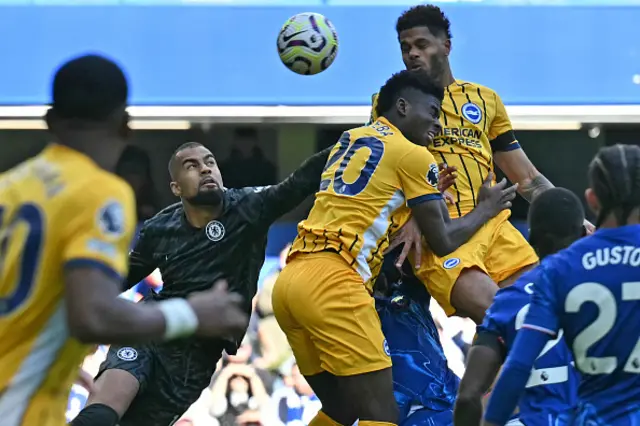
(614, 175)
(425, 15)
(414, 79)
(89, 87)
(178, 150)
(556, 219)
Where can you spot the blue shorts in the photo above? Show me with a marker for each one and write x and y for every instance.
(426, 417)
(424, 386)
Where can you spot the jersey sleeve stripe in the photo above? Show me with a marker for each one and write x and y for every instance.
(423, 198)
(512, 146)
(505, 142)
(540, 329)
(94, 264)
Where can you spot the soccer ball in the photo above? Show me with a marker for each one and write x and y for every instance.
(307, 43)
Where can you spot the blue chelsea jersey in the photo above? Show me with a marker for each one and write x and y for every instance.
(592, 292)
(552, 386)
(424, 386)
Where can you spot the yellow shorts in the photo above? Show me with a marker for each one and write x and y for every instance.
(498, 249)
(329, 317)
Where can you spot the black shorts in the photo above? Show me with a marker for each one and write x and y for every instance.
(171, 378)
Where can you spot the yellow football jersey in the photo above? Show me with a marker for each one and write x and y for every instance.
(474, 125)
(372, 172)
(56, 209)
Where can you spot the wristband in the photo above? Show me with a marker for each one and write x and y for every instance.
(180, 318)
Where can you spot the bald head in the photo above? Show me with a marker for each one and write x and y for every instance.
(174, 161)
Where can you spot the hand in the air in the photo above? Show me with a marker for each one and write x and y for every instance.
(410, 236)
(239, 369)
(447, 177)
(497, 197)
(219, 312)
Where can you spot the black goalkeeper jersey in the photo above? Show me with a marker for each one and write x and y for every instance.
(231, 247)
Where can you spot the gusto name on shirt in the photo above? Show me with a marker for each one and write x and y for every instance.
(617, 255)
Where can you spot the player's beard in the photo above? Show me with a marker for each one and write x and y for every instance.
(437, 66)
(210, 198)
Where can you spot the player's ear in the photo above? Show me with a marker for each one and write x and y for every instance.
(175, 189)
(592, 200)
(125, 130)
(447, 46)
(403, 107)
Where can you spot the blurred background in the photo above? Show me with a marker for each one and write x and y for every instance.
(208, 71)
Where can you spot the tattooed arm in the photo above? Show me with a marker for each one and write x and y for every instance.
(518, 168)
(510, 157)
(512, 160)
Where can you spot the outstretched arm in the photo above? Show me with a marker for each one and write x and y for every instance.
(276, 200)
(509, 156)
(519, 169)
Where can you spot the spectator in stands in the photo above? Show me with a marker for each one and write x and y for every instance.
(274, 347)
(239, 390)
(294, 404)
(238, 395)
(255, 170)
(135, 167)
(233, 169)
(262, 171)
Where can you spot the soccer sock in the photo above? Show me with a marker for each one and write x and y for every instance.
(372, 423)
(96, 415)
(321, 419)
